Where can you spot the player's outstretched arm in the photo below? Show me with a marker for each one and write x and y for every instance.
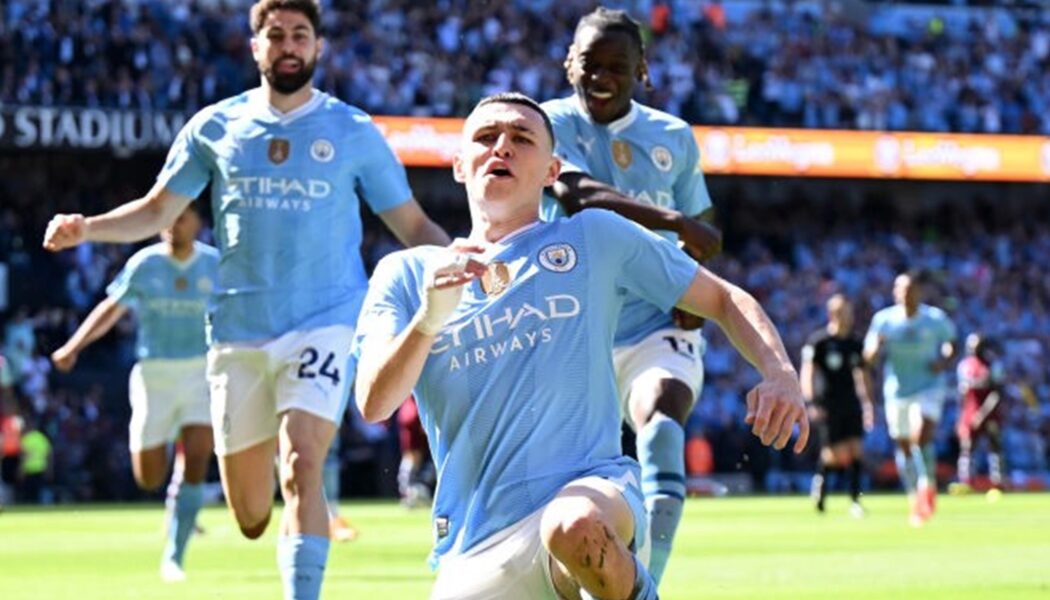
(131, 222)
(390, 367)
(97, 324)
(576, 191)
(775, 405)
(412, 226)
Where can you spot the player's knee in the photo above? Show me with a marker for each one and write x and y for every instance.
(675, 399)
(571, 536)
(253, 526)
(149, 481)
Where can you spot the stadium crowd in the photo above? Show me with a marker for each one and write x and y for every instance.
(718, 62)
(986, 267)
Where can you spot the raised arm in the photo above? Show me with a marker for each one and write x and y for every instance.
(775, 404)
(576, 191)
(97, 324)
(412, 226)
(389, 367)
(130, 222)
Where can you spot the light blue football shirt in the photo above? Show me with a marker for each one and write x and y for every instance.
(648, 155)
(286, 192)
(518, 396)
(169, 297)
(910, 346)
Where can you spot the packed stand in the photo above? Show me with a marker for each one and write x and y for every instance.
(796, 64)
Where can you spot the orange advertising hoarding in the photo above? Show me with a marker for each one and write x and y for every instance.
(423, 142)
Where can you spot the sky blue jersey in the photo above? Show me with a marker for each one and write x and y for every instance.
(286, 191)
(518, 395)
(648, 155)
(910, 346)
(169, 298)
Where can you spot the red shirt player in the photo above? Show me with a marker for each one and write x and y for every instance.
(980, 383)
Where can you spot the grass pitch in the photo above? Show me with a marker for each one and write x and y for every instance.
(726, 548)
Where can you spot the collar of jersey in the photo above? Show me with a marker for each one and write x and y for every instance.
(182, 265)
(618, 125)
(496, 247)
(316, 97)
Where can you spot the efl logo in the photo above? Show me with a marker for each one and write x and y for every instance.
(279, 150)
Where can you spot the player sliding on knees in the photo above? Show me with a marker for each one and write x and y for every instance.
(506, 340)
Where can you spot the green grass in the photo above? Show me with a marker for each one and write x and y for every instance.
(727, 548)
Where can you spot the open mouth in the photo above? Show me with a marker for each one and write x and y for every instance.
(499, 171)
(601, 95)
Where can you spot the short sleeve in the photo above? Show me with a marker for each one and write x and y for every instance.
(646, 264)
(871, 340)
(390, 304)
(690, 188)
(123, 287)
(808, 352)
(185, 171)
(382, 179)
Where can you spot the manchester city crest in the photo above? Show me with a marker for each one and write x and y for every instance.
(662, 158)
(559, 258)
(322, 150)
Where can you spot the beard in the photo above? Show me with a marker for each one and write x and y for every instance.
(288, 83)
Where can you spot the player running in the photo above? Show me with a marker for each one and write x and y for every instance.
(288, 166)
(506, 339)
(645, 165)
(980, 379)
(838, 390)
(167, 286)
(919, 344)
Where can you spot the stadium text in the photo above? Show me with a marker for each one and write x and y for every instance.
(88, 128)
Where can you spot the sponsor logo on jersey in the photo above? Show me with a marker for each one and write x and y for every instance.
(489, 336)
(662, 158)
(322, 150)
(279, 150)
(621, 152)
(559, 258)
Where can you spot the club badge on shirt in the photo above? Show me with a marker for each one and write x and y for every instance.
(621, 151)
(279, 150)
(496, 279)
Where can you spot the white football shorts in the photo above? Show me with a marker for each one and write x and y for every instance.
(252, 384)
(667, 353)
(513, 564)
(165, 396)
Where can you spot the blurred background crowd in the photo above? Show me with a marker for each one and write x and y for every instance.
(817, 64)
